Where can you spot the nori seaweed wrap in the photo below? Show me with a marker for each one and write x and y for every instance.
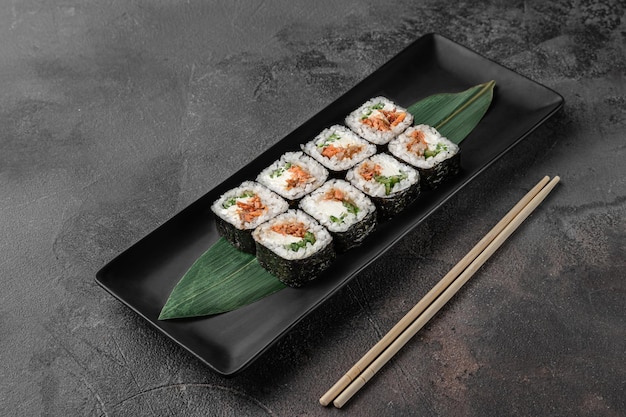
(240, 210)
(435, 157)
(293, 247)
(293, 176)
(391, 184)
(346, 212)
(339, 149)
(379, 120)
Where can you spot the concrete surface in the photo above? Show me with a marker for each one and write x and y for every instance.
(113, 117)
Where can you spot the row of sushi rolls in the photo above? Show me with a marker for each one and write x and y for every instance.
(310, 205)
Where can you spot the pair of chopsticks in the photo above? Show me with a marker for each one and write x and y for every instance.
(437, 297)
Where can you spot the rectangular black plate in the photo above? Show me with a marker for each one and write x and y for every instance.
(143, 276)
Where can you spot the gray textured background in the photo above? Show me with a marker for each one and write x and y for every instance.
(115, 115)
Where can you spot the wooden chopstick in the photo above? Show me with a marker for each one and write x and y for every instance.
(369, 357)
(414, 320)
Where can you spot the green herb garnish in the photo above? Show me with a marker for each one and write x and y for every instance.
(438, 149)
(339, 219)
(308, 238)
(280, 171)
(232, 201)
(352, 209)
(391, 181)
(330, 139)
(377, 106)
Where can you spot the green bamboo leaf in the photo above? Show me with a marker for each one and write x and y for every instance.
(221, 280)
(454, 115)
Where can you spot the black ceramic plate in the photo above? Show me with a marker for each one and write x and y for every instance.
(143, 276)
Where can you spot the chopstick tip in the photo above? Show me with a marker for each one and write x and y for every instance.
(327, 398)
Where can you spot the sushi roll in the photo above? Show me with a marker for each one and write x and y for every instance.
(435, 157)
(391, 184)
(345, 211)
(293, 176)
(379, 120)
(240, 210)
(293, 247)
(339, 149)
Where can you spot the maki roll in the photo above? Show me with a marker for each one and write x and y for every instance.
(293, 247)
(379, 120)
(345, 211)
(435, 157)
(293, 176)
(242, 209)
(338, 148)
(391, 184)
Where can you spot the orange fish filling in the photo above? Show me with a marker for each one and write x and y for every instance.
(369, 171)
(296, 229)
(298, 177)
(334, 194)
(341, 152)
(251, 209)
(384, 120)
(418, 144)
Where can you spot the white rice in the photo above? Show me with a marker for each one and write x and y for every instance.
(333, 214)
(226, 206)
(279, 243)
(389, 167)
(446, 149)
(276, 177)
(340, 137)
(368, 111)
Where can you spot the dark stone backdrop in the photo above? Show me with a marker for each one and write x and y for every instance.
(115, 115)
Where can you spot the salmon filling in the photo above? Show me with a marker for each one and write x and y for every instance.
(296, 229)
(298, 177)
(384, 120)
(334, 194)
(250, 209)
(340, 152)
(417, 145)
(369, 171)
